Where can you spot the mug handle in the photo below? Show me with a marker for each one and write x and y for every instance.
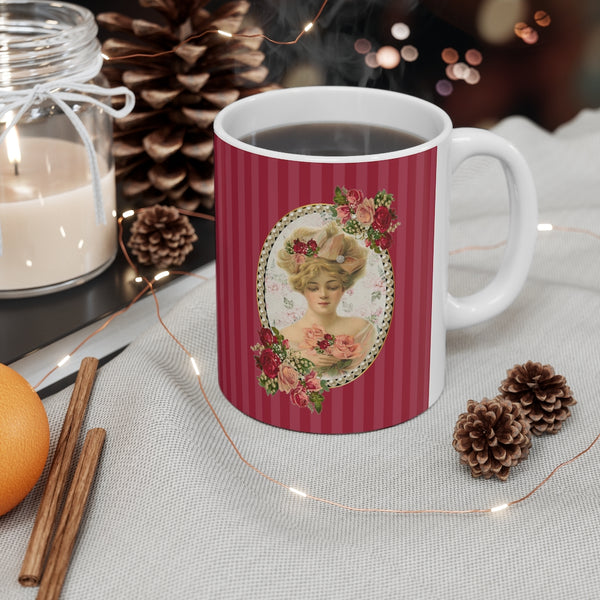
(506, 285)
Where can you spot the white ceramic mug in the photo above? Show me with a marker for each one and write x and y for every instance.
(368, 351)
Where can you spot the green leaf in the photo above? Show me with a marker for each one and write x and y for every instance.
(316, 400)
(304, 365)
(340, 196)
(271, 386)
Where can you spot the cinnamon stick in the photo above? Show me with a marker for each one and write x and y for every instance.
(70, 519)
(39, 542)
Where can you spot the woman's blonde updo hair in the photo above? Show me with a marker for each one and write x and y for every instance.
(347, 265)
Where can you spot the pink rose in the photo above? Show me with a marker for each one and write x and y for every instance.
(344, 213)
(382, 219)
(312, 335)
(345, 347)
(267, 337)
(299, 259)
(354, 198)
(287, 378)
(365, 212)
(312, 382)
(269, 363)
(299, 396)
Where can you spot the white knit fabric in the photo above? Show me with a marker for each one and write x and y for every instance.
(174, 513)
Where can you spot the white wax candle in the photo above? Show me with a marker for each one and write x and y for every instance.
(47, 216)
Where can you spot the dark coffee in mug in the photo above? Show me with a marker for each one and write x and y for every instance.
(332, 139)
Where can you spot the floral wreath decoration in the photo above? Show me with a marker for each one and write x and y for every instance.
(369, 219)
(286, 370)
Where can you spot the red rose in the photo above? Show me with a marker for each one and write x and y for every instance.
(382, 219)
(269, 363)
(267, 337)
(323, 344)
(312, 245)
(385, 241)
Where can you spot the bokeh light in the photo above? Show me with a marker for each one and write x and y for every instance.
(532, 37)
(529, 35)
(460, 70)
(371, 60)
(495, 19)
(449, 56)
(362, 46)
(520, 28)
(400, 31)
(409, 53)
(473, 57)
(444, 87)
(473, 77)
(450, 73)
(388, 57)
(542, 18)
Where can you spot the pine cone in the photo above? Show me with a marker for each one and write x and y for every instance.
(162, 237)
(164, 149)
(544, 396)
(492, 436)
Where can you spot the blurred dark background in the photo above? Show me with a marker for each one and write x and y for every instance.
(481, 60)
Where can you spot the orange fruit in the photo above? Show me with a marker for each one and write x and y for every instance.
(24, 438)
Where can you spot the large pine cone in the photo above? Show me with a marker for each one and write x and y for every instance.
(491, 437)
(164, 148)
(160, 236)
(544, 396)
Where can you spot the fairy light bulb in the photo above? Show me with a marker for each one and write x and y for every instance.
(224, 33)
(161, 275)
(128, 213)
(545, 227)
(298, 492)
(63, 361)
(499, 508)
(308, 27)
(195, 365)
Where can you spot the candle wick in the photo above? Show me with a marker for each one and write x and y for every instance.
(16, 165)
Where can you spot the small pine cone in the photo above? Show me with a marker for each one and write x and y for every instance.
(161, 236)
(491, 437)
(544, 396)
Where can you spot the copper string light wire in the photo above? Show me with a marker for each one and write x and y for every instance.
(540, 227)
(150, 287)
(228, 34)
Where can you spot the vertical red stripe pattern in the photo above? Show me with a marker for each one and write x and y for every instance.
(252, 194)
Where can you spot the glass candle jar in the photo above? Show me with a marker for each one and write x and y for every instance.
(57, 178)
